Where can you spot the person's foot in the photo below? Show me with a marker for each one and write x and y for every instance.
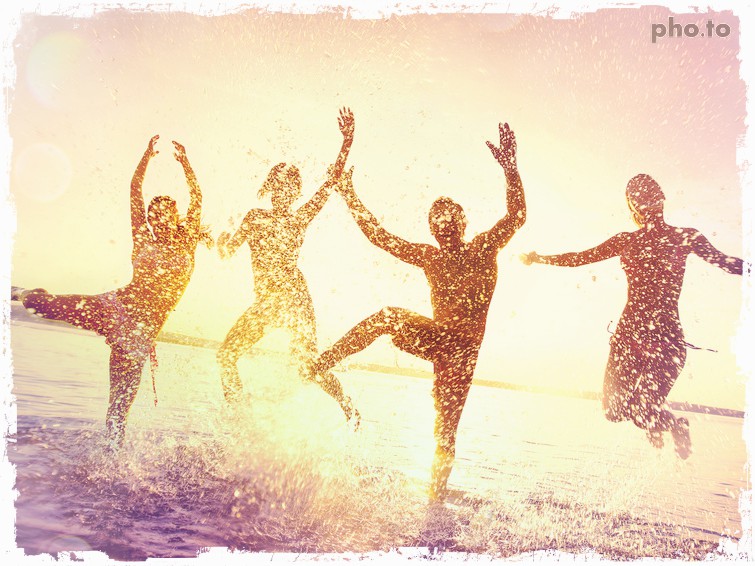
(311, 372)
(355, 421)
(353, 418)
(656, 438)
(682, 442)
(19, 293)
(232, 389)
(437, 494)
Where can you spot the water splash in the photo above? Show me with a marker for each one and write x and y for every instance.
(172, 495)
(281, 472)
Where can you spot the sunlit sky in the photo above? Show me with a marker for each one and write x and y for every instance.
(592, 100)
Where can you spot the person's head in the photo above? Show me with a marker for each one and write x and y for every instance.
(447, 220)
(162, 216)
(645, 198)
(283, 183)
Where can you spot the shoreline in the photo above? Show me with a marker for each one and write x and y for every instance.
(20, 314)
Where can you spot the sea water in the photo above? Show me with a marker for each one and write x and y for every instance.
(282, 472)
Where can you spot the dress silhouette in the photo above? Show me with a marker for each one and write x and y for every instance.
(648, 349)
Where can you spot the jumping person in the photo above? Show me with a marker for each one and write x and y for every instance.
(275, 237)
(131, 317)
(648, 348)
(462, 277)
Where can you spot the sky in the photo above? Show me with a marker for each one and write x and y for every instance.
(591, 98)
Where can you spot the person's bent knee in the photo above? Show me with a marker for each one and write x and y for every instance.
(390, 316)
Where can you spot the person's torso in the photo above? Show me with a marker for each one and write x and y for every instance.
(275, 242)
(462, 283)
(161, 274)
(654, 262)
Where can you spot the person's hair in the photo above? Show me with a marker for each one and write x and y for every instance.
(448, 203)
(273, 180)
(157, 202)
(644, 192)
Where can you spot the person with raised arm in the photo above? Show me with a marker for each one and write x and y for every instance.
(131, 317)
(647, 349)
(462, 277)
(275, 237)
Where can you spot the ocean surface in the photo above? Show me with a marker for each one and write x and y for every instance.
(284, 473)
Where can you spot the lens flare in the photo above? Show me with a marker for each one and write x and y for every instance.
(42, 172)
(52, 66)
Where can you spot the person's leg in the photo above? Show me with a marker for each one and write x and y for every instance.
(628, 360)
(664, 362)
(247, 330)
(682, 440)
(619, 380)
(411, 332)
(18, 293)
(304, 351)
(126, 365)
(392, 321)
(83, 311)
(452, 382)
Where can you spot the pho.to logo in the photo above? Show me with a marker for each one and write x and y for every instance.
(689, 30)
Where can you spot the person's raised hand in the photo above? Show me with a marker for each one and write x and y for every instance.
(529, 258)
(505, 153)
(346, 123)
(151, 146)
(221, 244)
(180, 153)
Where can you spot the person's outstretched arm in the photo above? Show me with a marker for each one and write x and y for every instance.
(375, 233)
(346, 124)
(194, 213)
(516, 208)
(139, 229)
(228, 244)
(702, 247)
(610, 248)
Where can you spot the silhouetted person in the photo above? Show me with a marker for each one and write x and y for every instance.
(275, 237)
(462, 276)
(648, 348)
(131, 317)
